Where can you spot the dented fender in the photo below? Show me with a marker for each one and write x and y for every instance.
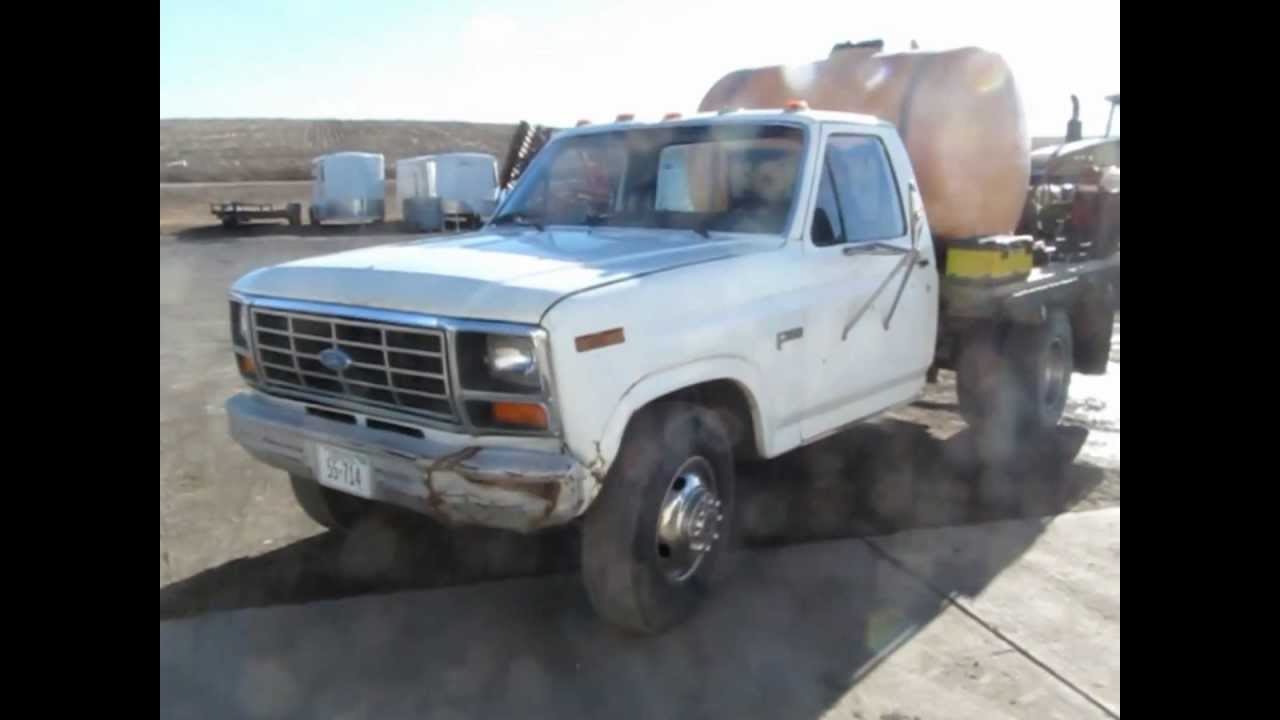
(502, 487)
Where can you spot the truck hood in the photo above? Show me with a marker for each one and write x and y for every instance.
(508, 275)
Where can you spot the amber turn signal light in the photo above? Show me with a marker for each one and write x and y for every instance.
(245, 363)
(529, 415)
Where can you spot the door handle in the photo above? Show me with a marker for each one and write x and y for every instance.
(923, 262)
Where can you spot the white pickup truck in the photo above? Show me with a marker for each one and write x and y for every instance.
(652, 302)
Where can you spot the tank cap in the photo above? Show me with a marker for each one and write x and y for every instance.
(795, 106)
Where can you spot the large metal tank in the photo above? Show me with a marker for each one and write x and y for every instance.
(958, 112)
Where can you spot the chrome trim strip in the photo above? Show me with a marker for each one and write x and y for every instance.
(455, 378)
(542, 352)
(904, 262)
(393, 317)
(247, 348)
(911, 265)
(486, 396)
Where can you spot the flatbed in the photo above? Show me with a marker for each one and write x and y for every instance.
(979, 319)
(1057, 284)
(235, 213)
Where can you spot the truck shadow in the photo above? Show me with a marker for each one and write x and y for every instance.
(875, 479)
(793, 631)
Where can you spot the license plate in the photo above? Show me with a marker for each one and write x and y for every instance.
(344, 470)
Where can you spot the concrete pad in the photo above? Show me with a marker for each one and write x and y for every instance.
(1058, 599)
(819, 630)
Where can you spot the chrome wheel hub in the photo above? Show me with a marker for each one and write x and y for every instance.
(689, 520)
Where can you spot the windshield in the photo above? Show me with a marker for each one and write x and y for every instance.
(731, 178)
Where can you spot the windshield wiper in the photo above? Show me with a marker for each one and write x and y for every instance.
(517, 219)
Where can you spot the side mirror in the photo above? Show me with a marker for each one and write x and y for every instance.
(915, 213)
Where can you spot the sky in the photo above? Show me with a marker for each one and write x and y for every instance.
(552, 62)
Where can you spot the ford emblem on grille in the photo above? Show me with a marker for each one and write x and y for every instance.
(335, 359)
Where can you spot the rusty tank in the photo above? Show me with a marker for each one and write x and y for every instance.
(958, 112)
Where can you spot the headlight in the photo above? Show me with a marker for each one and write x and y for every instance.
(510, 359)
(498, 363)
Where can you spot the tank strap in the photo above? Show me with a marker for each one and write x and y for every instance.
(904, 117)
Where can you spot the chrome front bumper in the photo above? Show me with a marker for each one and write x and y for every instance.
(521, 484)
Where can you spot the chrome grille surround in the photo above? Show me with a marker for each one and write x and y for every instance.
(407, 344)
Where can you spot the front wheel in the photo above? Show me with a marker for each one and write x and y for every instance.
(654, 543)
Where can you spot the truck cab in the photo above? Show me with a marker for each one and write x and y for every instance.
(652, 302)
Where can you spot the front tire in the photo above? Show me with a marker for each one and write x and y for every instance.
(655, 542)
(329, 508)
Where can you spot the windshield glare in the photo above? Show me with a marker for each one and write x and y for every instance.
(729, 178)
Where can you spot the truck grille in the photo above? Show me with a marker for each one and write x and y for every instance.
(392, 366)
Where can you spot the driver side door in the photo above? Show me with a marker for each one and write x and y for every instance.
(871, 330)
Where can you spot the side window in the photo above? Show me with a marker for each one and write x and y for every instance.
(828, 227)
(867, 192)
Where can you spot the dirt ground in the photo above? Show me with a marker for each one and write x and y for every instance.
(1012, 620)
(231, 535)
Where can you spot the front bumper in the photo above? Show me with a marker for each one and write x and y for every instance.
(521, 484)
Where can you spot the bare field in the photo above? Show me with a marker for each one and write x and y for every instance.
(257, 150)
(252, 150)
